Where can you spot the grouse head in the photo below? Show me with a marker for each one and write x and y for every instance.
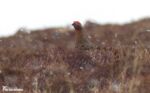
(77, 25)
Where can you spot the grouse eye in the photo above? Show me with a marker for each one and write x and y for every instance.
(73, 24)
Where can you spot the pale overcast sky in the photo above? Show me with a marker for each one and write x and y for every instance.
(35, 14)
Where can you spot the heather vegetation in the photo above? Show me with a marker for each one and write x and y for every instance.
(45, 60)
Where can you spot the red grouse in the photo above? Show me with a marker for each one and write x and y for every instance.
(81, 40)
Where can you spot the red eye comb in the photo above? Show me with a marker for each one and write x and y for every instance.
(76, 22)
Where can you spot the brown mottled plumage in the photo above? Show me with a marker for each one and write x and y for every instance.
(81, 40)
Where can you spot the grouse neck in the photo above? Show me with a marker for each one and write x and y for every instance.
(79, 32)
(79, 35)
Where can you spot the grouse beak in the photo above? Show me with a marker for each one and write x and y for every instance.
(72, 24)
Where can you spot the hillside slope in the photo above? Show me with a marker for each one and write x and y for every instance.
(45, 61)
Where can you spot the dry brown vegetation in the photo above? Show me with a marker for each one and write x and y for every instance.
(45, 61)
